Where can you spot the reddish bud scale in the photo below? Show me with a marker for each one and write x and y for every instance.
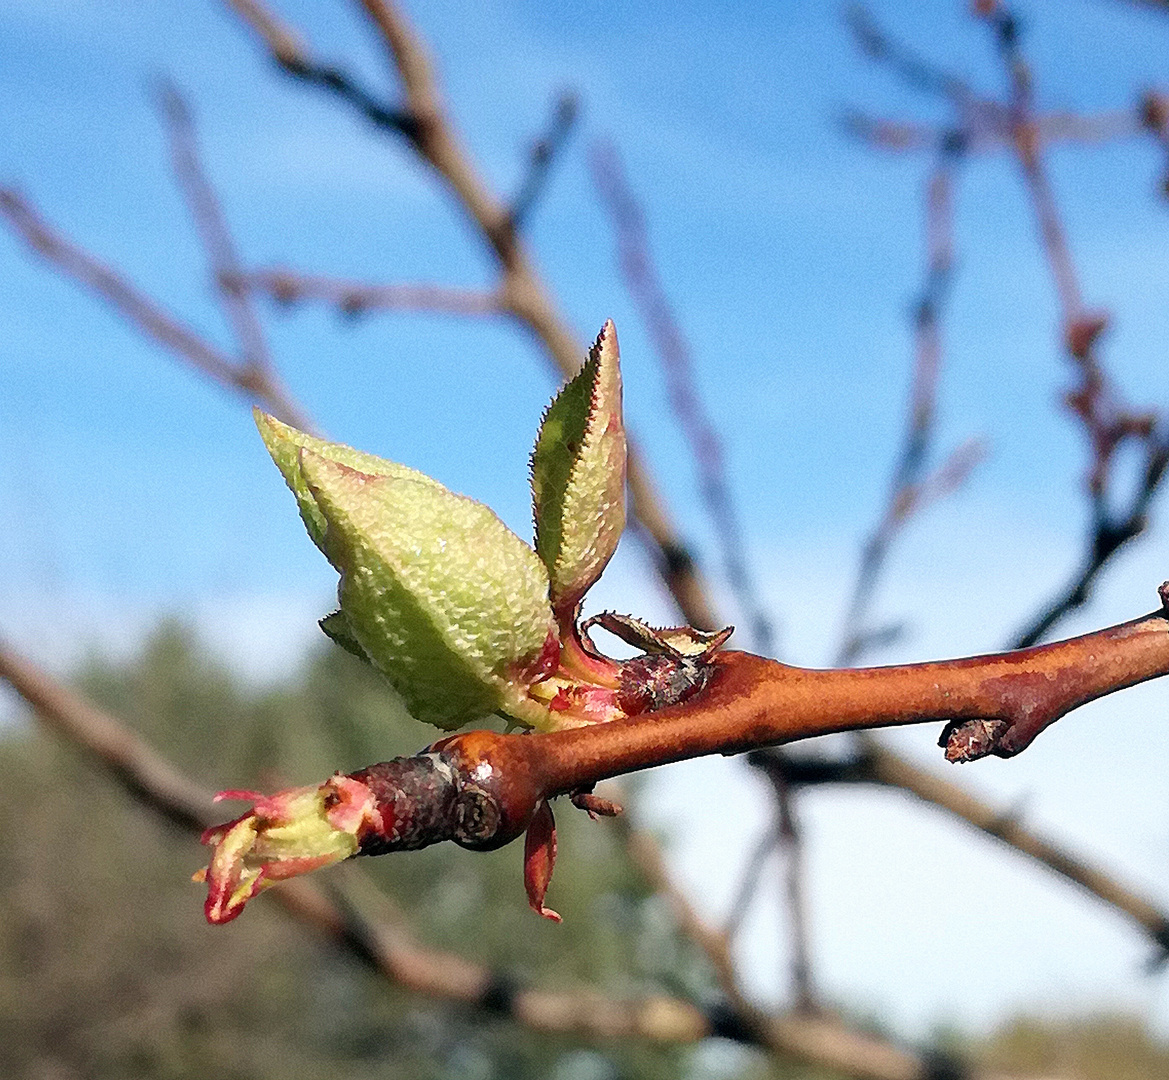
(657, 681)
(414, 799)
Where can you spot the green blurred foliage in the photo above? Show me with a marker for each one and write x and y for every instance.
(1086, 1048)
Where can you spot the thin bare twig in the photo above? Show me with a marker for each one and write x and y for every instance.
(875, 764)
(749, 882)
(144, 313)
(290, 53)
(523, 293)
(1107, 421)
(224, 264)
(993, 134)
(795, 893)
(544, 152)
(817, 1037)
(645, 285)
(677, 362)
(911, 489)
(356, 298)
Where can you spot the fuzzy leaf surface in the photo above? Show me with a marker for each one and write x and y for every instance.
(578, 475)
(285, 443)
(448, 603)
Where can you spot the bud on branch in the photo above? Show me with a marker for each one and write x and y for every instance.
(464, 619)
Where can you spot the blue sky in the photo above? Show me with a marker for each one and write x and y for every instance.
(791, 255)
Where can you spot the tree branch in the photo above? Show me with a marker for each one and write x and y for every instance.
(817, 1037)
(523, 293)
(876, 764)
(1106, 420)
(144, 313)
(357, 298)
(207, 213)
(909, 489)
(544, 152)
(644, 284)
(754, 702)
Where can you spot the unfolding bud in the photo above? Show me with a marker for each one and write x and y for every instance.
(284, 835)
(474, 789)
(675, 664)
(436, 592)
(578, 477)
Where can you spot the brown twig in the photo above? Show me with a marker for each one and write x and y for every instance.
(677, 363)
(1108, 422)
(820, 1040)
(799, 935)
(992, 134)
(522, 292)
(356, 298)
(145, 314)
(817, 1037)
(223, 262)
(751, 878)
(993, 704)
(754, 702)
(910, 489)
(544, 152)
(875, 764)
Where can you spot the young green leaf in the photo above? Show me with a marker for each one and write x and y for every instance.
(578, 476)
(436, 591)
(285, 443)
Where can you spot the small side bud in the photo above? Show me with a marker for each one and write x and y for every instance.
(969, 740)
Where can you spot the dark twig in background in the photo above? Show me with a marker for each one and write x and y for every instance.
(749, 882)
(1107, 421)
(148, 316)
(1017, 125)
(791, 851)
(873, 763)
(223, 263)
(645, 286)
(543, 154)
(911, 489)
(354, 298)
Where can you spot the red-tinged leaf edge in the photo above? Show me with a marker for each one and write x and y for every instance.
(539, 858)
